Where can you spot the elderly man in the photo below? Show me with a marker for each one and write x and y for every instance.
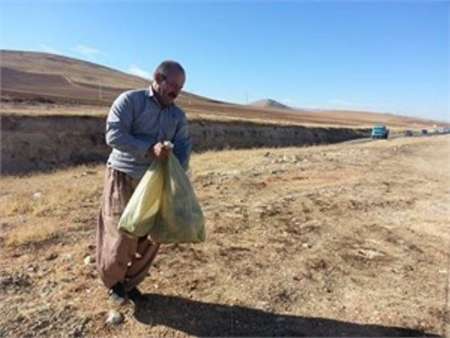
(138, 123)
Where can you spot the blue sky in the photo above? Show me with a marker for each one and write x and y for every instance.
(372, 55)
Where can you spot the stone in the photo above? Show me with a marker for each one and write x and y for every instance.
(68, 257)
(32, 268)
(88, 260)
(51, 256)
(114, 318)
(37, 195)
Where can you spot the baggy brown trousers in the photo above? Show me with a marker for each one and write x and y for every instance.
(119, 257)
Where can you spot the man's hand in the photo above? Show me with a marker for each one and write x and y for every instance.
(161, 151)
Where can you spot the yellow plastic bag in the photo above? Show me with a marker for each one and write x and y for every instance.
(164, 206)
(142, 209)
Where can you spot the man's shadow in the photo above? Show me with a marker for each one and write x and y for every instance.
(207, 319)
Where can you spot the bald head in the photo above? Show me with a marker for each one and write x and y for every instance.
(169, 78)
(167, 67)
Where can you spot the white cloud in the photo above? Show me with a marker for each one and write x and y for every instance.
(48, 49)
(87, 51)
(346, 104)
(135, 70)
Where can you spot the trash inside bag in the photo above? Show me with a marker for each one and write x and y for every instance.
(142, 209)
(164, 206)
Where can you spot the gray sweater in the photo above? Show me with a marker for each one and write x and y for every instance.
(136, 121)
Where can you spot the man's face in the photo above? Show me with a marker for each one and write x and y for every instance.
(170, 86)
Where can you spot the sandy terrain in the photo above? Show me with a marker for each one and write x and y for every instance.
(343, 240)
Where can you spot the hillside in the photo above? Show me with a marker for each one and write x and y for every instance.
(55, 78)
(34, 83)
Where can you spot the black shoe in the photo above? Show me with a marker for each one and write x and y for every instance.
(135, 295)
(118, 294)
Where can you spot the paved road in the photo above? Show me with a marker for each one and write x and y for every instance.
(369, 139)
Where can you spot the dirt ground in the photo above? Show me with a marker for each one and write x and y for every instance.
(343, 240)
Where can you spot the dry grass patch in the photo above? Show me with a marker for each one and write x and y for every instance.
(33, 233)
(37, 207)
(322, 238)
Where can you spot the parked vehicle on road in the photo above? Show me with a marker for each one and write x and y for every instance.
(409, 133)
(380, 131)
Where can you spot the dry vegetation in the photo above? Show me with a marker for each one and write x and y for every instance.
(343, 240)
(349, 239)
(45, 84)
(53, 205)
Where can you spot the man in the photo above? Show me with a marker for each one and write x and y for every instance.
(138, 123)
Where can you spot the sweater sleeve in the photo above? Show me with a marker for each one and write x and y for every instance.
(119, 125)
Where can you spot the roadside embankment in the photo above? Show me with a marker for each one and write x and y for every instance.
(48, 142)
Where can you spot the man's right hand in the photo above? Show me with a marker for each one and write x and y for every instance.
(159, 151)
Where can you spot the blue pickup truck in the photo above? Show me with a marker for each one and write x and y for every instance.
(380, 131)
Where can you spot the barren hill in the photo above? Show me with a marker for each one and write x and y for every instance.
(48, 77)
(269, 103)
(35, 83)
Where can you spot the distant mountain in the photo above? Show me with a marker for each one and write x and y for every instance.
(269, 103)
